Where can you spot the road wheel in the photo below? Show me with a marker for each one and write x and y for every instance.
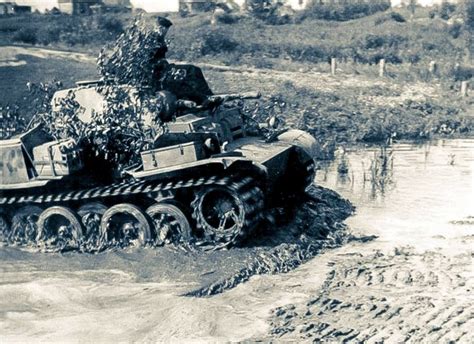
(91, 214)
(59, 226)
(125, 224)
(24, 224)
(170, 224)
(4, 227)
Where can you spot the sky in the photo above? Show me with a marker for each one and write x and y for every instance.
(147, 5)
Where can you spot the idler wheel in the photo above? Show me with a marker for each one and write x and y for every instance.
(125, 224)
(24, 224)
(227, 213)
(170, 223)
(59, 226)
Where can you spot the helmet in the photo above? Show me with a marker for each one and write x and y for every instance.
(168, 103)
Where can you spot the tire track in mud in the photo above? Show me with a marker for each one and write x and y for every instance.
(397, 297)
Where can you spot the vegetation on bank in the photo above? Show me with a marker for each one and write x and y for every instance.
(311, 36)
(341, 117)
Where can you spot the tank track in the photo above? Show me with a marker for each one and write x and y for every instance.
(244, 187)
(126, 188)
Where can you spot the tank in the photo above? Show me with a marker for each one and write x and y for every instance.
(209, 181)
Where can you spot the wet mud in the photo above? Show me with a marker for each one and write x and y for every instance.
(398, 296)
(89, 294)
(317, 224)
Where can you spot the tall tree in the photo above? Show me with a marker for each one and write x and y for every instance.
(412, 7)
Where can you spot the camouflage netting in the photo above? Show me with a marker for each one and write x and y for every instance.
(118, 133)
(133, 70)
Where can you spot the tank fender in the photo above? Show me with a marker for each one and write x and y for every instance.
(217, 165)
(300, 139)
(239, 164)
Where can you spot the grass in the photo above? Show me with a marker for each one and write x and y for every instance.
(13, 87)
(251, 41)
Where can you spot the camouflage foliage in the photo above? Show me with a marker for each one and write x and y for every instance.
(130, 59)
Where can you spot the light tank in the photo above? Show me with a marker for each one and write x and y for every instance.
(209, 180)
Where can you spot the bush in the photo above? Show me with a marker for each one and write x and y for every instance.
(110, 24)
(378, 41)
(25, 35)
(50, 35)
(227, 18)
(397, 17)
(215, 42)
(462, 73)
(342, 12)
(467, 10)
(446, 10)
(455, 30)
(392, 16)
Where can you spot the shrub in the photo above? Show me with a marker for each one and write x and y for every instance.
(215, 42)
(393, 16)
(25, 35)
(372, 41)
(446, 10)
(413, 58)
(467, 10)
(397, 17)
(110, 24)
(50, 35)
(455, 30)
(462, 73)
(227, 18)
(342, 12)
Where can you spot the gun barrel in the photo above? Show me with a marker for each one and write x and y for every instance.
(233, 96)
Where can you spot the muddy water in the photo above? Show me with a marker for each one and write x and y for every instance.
(426, 194)
(419, 267)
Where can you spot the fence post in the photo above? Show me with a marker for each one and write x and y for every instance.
(433, 68)
(382, 68)
(333, 66)
(213, 18)
(464, 88)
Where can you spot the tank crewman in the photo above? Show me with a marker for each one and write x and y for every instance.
(161, 46)
(185, 81)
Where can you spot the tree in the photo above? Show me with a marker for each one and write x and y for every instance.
(412, 7)
(466, 11)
